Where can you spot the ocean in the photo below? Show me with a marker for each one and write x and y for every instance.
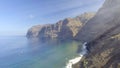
(19, 52)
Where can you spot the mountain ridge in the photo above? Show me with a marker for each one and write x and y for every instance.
(62, 30)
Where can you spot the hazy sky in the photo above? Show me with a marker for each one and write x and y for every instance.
(17, 16)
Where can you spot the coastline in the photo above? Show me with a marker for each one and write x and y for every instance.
(77, 59)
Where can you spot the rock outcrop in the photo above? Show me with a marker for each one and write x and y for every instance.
(65, 29)
(85, 17)
(102, 33)
(34, 31)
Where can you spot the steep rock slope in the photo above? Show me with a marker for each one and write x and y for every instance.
(85, 17)
(102, 21)
(62, 30)
(103, 37)
(34, 31)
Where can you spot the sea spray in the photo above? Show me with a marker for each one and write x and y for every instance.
(77, 59)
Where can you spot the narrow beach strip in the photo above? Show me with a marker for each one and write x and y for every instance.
(77, 59)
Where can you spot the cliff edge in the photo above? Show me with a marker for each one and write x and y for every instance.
(102, 33)
(65, 29)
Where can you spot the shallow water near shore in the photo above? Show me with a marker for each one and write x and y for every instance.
(18, 52)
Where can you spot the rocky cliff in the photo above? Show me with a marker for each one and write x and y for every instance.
(63, 30)
(101, 22)
(102, 33)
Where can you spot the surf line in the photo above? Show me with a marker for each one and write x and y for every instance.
(77, 59)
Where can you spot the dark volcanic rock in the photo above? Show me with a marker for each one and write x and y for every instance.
(102, 33)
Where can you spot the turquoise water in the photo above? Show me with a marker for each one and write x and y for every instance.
(18, 52)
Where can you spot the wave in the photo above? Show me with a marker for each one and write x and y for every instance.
(77, 59)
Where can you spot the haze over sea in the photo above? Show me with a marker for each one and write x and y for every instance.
(18, 52)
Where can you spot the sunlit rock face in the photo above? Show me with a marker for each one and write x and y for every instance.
(107, 17)
(65, 29)
(102, 33)
(34, 31)
(85, 17)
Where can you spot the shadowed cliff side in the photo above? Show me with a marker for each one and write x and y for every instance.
(102, 21)
(102, 33)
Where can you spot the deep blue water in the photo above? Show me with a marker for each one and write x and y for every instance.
(18, 52)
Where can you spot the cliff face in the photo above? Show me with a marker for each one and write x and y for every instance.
(102, 33)
(84, 18)
(34, 31)
(63, 30)
(105, 18)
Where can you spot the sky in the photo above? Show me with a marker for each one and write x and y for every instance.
(17, 16)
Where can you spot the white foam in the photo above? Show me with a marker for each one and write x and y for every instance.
(77, 59)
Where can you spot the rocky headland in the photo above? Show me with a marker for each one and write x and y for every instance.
(65, 29)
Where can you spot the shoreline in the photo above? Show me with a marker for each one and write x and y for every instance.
(77, 59)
